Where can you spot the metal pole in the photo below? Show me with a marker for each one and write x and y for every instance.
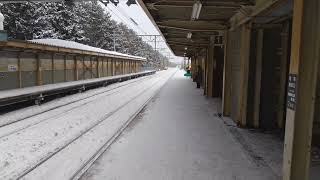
(114, 41)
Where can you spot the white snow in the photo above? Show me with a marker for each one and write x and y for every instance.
(18, 120)
(24, 149)
(75, 45)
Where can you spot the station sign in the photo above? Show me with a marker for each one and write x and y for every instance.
(218, 40)
(292, 91)
(12, 68)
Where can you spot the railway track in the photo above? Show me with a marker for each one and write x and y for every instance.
(4, 122)
(27, 172)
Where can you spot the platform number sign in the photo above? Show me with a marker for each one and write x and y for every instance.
(292, 91)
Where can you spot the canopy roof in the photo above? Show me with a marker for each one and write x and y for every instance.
(174, 21)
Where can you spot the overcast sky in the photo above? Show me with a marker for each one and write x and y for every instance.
(123, 13)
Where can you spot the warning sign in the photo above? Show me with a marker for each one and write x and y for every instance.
(292, 91)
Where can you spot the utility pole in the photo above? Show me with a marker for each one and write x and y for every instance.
(114, 41)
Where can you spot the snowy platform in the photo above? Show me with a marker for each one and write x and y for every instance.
(32, 93)
(179, 136)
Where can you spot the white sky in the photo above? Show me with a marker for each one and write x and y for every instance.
(123, 13)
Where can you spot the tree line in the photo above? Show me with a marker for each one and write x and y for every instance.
(84, 22)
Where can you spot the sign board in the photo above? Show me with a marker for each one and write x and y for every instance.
(292, 91)
(12, 67)
(218, 40)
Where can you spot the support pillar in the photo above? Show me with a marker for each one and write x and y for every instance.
(65, 68)
(19, 70)
(283, 73)
(39, 71)
(257, 88)
(301, 93)
(76, 73)
(210, 68)
(226, 96)
(244, 73)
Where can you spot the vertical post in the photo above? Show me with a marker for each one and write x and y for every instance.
(39, 73)
(205, 71)
(103, 70)
(136, 66)
(210, 66)
(98, 67)
(125, 66)
(107, 67)
(65, 67)
(244, 73)
(114, 41)
(113, 66)
(283, 73)
(91, 67)
(256, 108)
(84, 68)
(76, 74)
(19, 70)
(52, 68)
(304, 69)
(155, 42)
(226, 96)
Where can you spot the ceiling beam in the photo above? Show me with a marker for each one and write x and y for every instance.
(186, 44)
(192, 30)
(187, 21)
(216, 2)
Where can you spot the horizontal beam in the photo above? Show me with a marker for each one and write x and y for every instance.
(192, 30)
(186, 44)
(196, 23)
(207, 3)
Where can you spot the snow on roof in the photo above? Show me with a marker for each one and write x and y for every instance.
(79, 46)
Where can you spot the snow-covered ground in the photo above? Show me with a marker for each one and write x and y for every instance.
(59, 142)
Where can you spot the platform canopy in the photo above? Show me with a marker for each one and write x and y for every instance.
(188, 24)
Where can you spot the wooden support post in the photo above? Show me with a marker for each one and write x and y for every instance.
(107, 68)
(210, 66)
(205, 71)
(125, 64)
(227, 77)
(113, 62)
(91, 67)
(38, 70)
(137, 66)
(103, 70)
(193, 68)
(19, 71)
(257, 88)
(283, 74)
(84, 68)
(98, 67)
(130, 66)
(52, 68)
(244, 73)
(65, 67)
(76, 73)
(304, 67)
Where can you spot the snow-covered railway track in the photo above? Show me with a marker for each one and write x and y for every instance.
(13, 125)
(43, 151)
(12, 117)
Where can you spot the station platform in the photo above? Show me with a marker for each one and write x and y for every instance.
(178, 136)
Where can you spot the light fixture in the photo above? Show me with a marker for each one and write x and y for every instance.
(186, 48)
(189, 35)
(129, 2)
(196, 9)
